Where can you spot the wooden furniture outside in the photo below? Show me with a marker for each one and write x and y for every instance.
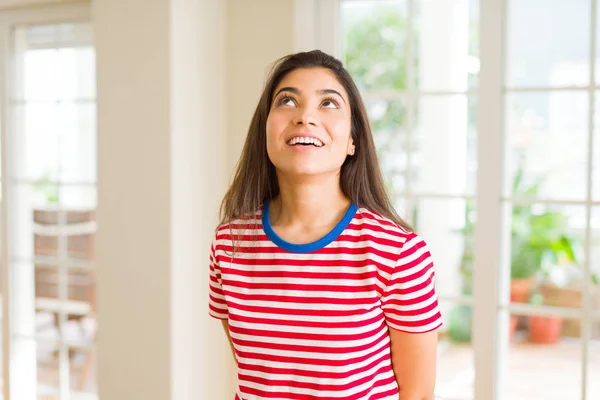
(64, 250)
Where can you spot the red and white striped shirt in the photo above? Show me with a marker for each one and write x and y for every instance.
(311, 321)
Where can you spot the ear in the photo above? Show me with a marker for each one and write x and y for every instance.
(351, 147)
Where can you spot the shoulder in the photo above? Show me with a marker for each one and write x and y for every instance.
(227, 231)
(383, 226)
(247, 221)
(387, 231)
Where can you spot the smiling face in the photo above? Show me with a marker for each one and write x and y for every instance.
(309, 124)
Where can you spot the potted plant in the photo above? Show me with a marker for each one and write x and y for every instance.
(538, 236)
(543, 329)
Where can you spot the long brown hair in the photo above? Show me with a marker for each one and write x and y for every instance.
(255, 180)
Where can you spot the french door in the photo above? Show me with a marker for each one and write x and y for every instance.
(48, 201)
(485, 117)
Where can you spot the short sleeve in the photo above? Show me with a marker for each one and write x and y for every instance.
(217, 307)
(410, 302)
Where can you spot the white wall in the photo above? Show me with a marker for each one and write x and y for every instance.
(133, 241)
(259, 32)
(161, 130)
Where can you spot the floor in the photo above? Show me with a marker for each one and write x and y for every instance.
(534, 371)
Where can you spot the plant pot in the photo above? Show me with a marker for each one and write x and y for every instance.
(571, 297)
(544, 329)
(512, 326)
(520, 288)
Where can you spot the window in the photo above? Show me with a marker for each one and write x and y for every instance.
(49, 187)
(419, 67)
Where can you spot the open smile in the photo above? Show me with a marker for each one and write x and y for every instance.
(305, 141)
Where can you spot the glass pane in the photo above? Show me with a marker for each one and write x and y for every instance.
(31, 232)
(374, 43)
(36, 132)
(56, 141)
(77, 152)
(548, 43)
(48, 369)
(53, 109)
(24, 321)
(595, 258)
(388, 118)
(542, 363)
(547, 142)
(455, 370)
(39, 69)
(75, 360)
(83, 372)
(51, 74)
(547, 254)
(79, 202)
(445, 158)
(24, 368)
(447, 227)
(447, 34)
(593, 372)
(47, 302)
(69, 321)
(596, 149)
(77, 76)
(51, 218)
(79, 331)
(404, 210)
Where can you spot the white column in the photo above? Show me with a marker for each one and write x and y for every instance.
(490, 278)
(161, 101)
(317, 25)
(202, 365)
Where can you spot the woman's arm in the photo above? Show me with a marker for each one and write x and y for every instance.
(226, 328)
(414, 363)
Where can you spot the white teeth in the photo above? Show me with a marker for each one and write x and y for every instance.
(305, 140)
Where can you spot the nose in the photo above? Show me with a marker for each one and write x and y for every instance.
(305, 117)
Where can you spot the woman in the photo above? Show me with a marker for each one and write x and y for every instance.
(324, 292)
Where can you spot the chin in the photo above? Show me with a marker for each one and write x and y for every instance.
(304, 171)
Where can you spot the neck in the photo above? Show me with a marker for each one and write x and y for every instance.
(312, 203)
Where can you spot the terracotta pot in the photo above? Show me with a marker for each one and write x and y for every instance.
(520, 289)
(544, 329)
(512, 326)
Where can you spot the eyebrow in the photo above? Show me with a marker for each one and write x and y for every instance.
(297, 91)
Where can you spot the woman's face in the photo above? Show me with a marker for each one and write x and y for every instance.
(309, 124)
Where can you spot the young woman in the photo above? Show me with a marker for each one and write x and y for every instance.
(323, 290)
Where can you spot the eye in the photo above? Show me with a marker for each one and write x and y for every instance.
(330, 103)
(286, 101)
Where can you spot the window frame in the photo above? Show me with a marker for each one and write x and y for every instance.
(490, 298)
(9, 19)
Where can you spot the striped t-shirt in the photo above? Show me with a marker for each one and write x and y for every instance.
(310, 321)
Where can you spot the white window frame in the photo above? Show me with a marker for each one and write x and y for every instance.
(490, 298)
(55, 13)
